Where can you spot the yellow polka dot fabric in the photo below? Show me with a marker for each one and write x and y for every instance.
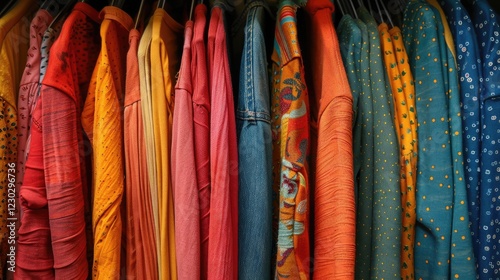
(375, 148)
(386, 227)
(354, 48)
(443, 240)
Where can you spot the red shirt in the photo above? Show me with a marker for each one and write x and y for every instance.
(72, 60)
(29, 87)
(34, 233)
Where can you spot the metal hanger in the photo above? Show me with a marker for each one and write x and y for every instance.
(387, 13)
(139, 14)
(52, 6)
(379, 12)
(161, 4)
(7, 7)
(62, 12)
(353, 9)
(117, 3)
(339, 3)
(191, 10)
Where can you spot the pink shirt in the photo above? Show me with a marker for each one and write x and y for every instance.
(184, 183)
(201, 119)
(29, 87)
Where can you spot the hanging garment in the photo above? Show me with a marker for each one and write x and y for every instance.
(223, 233)
(253, 120)
(386, 225)
(201, 119)
(443, 240)
(405, 122)
(29, 87)
(13, 49)
(462, 262)
(468, 61)
(141, 254)
(290, 104)
(38, 224)
(165, 58)
(102, 121)
(354, 48)
(34, 174)
(48, 39)
(35, 257)
(33, 194)
(184, 182)
(73, 57)
(487, 27)
(143, 54)
(331, 118)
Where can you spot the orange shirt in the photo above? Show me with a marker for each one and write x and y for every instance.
(334, 203)
(141, 254)
(290, 104)
(101, 119)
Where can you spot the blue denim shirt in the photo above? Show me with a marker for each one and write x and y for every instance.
(253, 120)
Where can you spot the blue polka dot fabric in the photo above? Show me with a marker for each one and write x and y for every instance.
(469, 70)
(486, 24)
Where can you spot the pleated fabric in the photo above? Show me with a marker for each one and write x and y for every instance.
(141, 254)
(331, 118)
